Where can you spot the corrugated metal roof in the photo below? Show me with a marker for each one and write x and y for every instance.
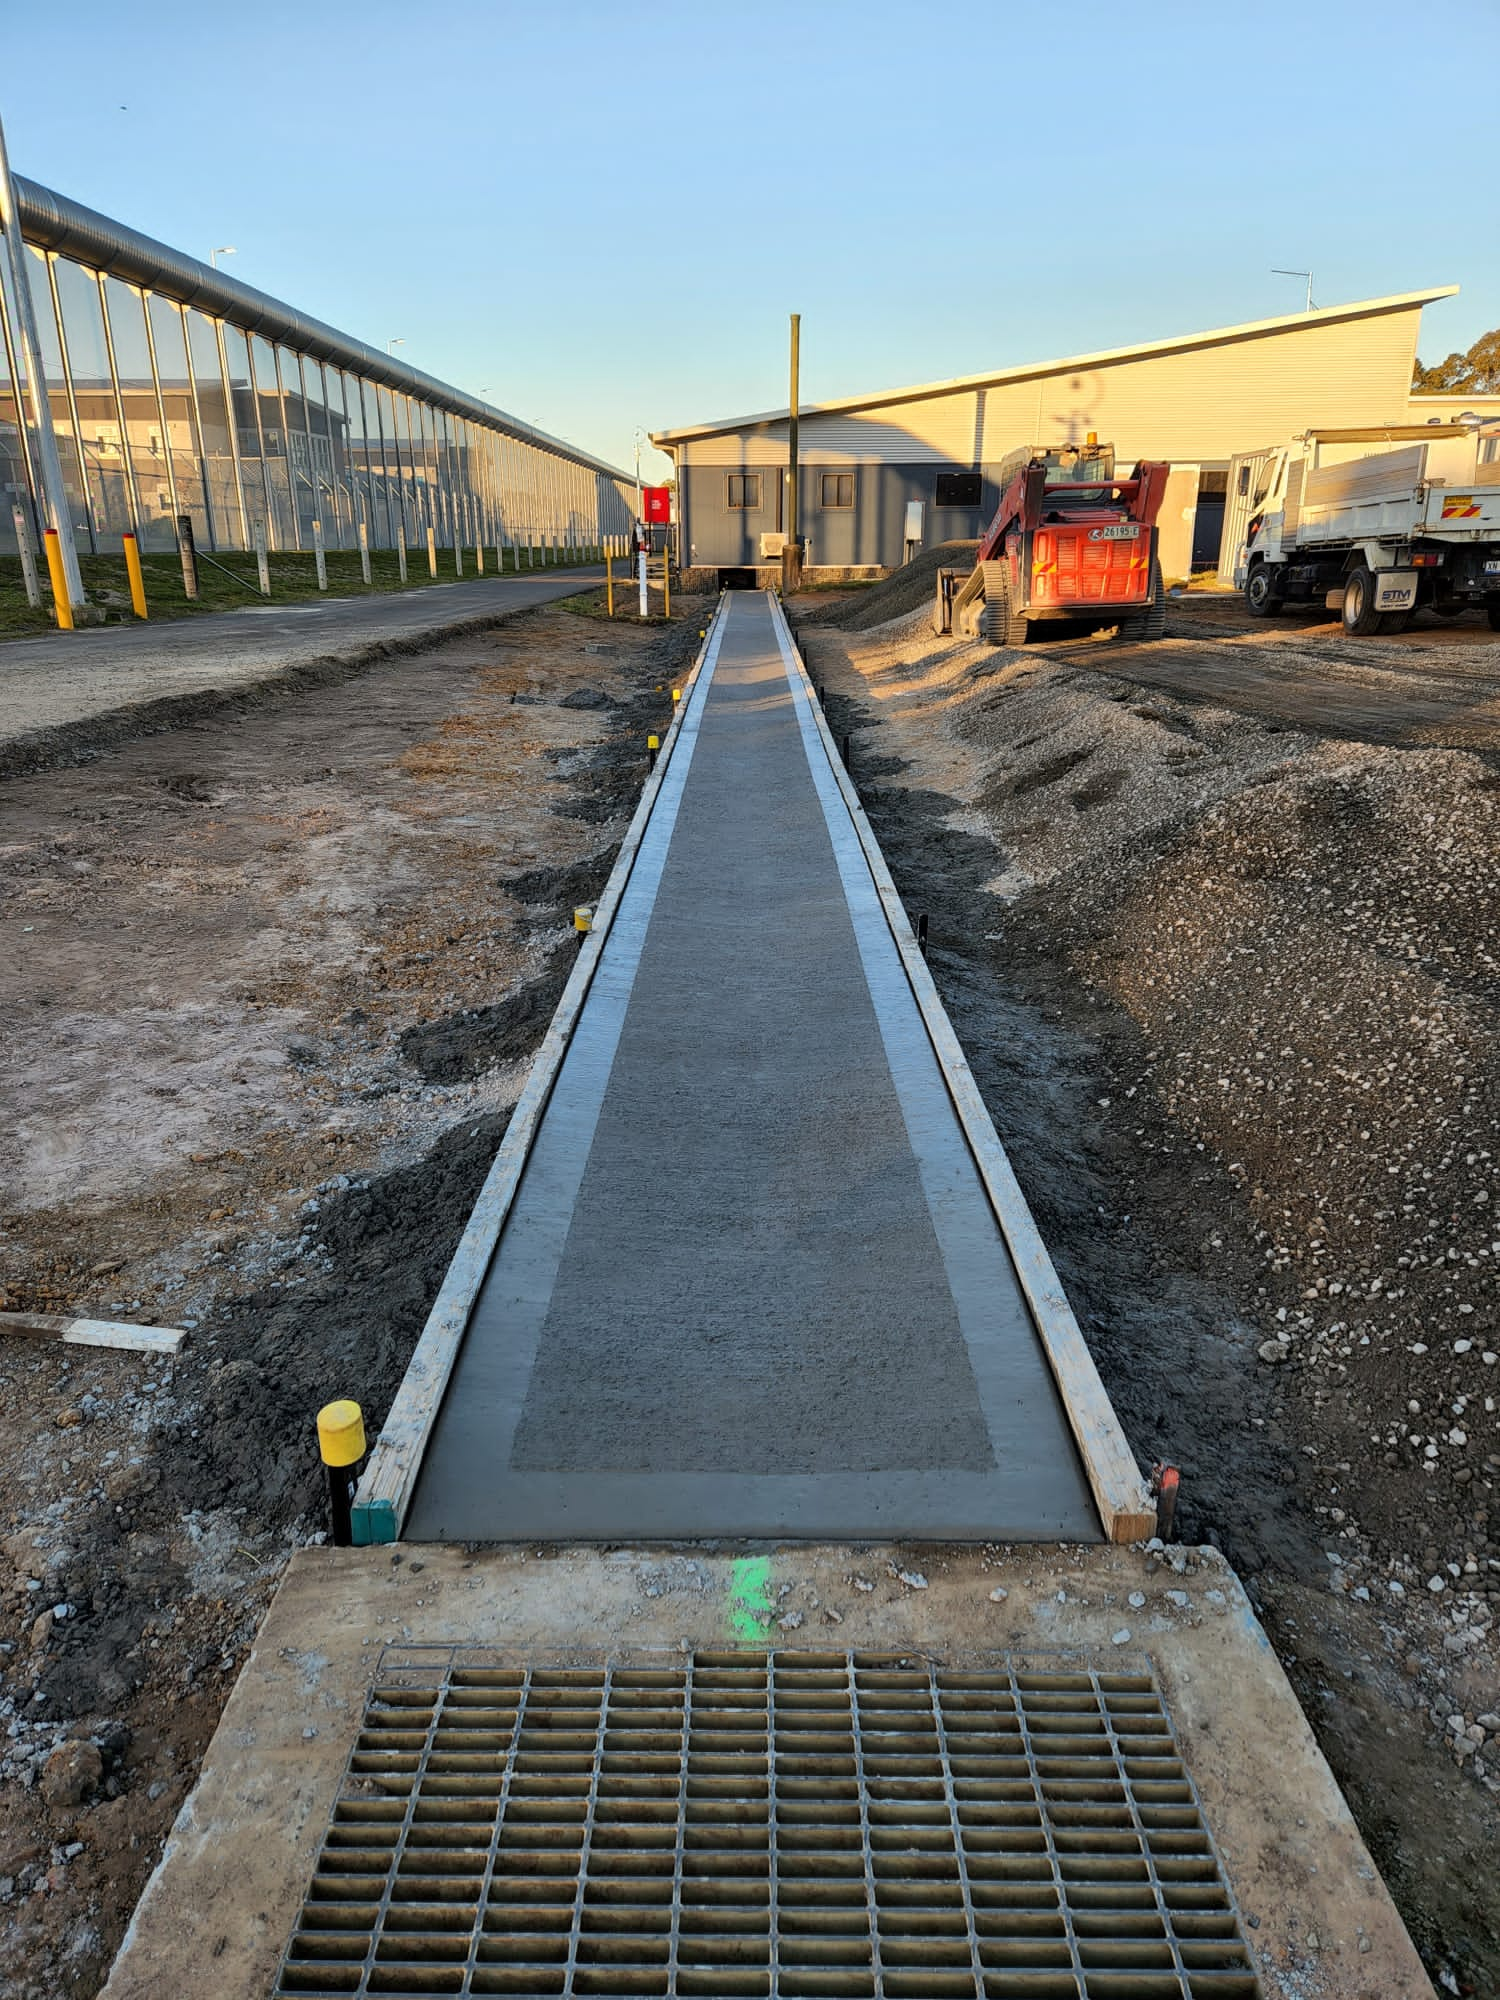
(54, 221)
(1069, 364)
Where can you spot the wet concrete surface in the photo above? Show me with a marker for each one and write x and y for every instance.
(751, 1283)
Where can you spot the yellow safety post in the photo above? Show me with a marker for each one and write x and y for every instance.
(583, 920)
(653, 744)
(341, 1444)
(676, 696)
(609, 584)
(137, 581)
(61, 605)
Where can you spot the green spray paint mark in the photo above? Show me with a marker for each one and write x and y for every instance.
(750, 1607)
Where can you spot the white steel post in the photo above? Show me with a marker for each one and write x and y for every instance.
(432, 552)
(641, 568)
(364, 551)
(320, 561)
(401, 550)
(28, 560)
(53, 496)
(262, 560)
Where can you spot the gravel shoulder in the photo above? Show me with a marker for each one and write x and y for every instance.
(271, 984)
(1227, 977)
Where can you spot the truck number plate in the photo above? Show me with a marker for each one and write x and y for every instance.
(1125, 532)
(1492, 569)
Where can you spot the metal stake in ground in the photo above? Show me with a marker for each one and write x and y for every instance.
(341, 1445)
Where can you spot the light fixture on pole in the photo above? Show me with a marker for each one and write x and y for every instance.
(221, 250)
(392, 345)
(1277, 272)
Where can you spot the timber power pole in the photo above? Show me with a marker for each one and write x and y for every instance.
(791, 559)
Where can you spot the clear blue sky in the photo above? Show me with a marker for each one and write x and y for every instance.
(600, 216)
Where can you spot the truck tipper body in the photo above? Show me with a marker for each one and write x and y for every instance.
(1069, 540)
(1375, 524)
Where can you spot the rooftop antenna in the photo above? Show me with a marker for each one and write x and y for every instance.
(1277, 272)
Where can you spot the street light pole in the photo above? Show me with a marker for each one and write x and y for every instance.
(222, 250)
(53, 496)
(1277, 272)
(392, 345)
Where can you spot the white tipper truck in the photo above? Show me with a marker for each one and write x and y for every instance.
(1374, 523)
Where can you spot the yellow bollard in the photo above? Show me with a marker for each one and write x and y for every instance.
(653, 744)
(676, 696)
(137, 581)
(62, 608)
(609, 583)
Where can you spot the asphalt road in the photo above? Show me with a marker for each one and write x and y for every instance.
(104, 683)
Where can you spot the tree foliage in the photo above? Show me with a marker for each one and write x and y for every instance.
(1474, 373)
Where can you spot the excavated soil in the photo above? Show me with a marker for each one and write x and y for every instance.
(1229, 984)
(272, 982)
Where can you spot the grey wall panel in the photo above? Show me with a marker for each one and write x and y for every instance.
(872, 531)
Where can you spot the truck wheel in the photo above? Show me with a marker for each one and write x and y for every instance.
(1260, 591)
(1360, 615)
(1492, 612)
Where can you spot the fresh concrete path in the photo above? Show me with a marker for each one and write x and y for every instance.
(751, 1283)
(79, 691)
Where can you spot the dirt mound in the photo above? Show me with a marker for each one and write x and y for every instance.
(459, 1046)
(906, 589)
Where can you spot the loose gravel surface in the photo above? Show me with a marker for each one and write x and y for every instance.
(1230, 987)
(270, 985)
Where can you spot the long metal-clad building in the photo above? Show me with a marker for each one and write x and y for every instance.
(878, 473)
(175, 389)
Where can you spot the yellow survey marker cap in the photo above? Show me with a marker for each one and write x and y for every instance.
(341, 1433)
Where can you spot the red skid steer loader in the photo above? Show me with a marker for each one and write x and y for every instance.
(1069, 540)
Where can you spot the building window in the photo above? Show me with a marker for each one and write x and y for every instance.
(838, 489)
(744, 490)
(958, 489)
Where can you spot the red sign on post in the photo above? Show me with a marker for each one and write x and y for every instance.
(657, 503)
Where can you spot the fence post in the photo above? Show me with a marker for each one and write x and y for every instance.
(364, 551)
(458, 557)
(262, 560)
(401, 551)
(320, 561)
(431, 552)
(478, 557)
(188, 554)
(28, 560)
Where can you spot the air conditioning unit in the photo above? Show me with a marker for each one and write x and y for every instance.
(772, 547)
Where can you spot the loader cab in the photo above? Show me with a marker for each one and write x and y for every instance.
(1079, 464)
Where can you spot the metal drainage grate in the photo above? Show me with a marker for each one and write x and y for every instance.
(778, 1825)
